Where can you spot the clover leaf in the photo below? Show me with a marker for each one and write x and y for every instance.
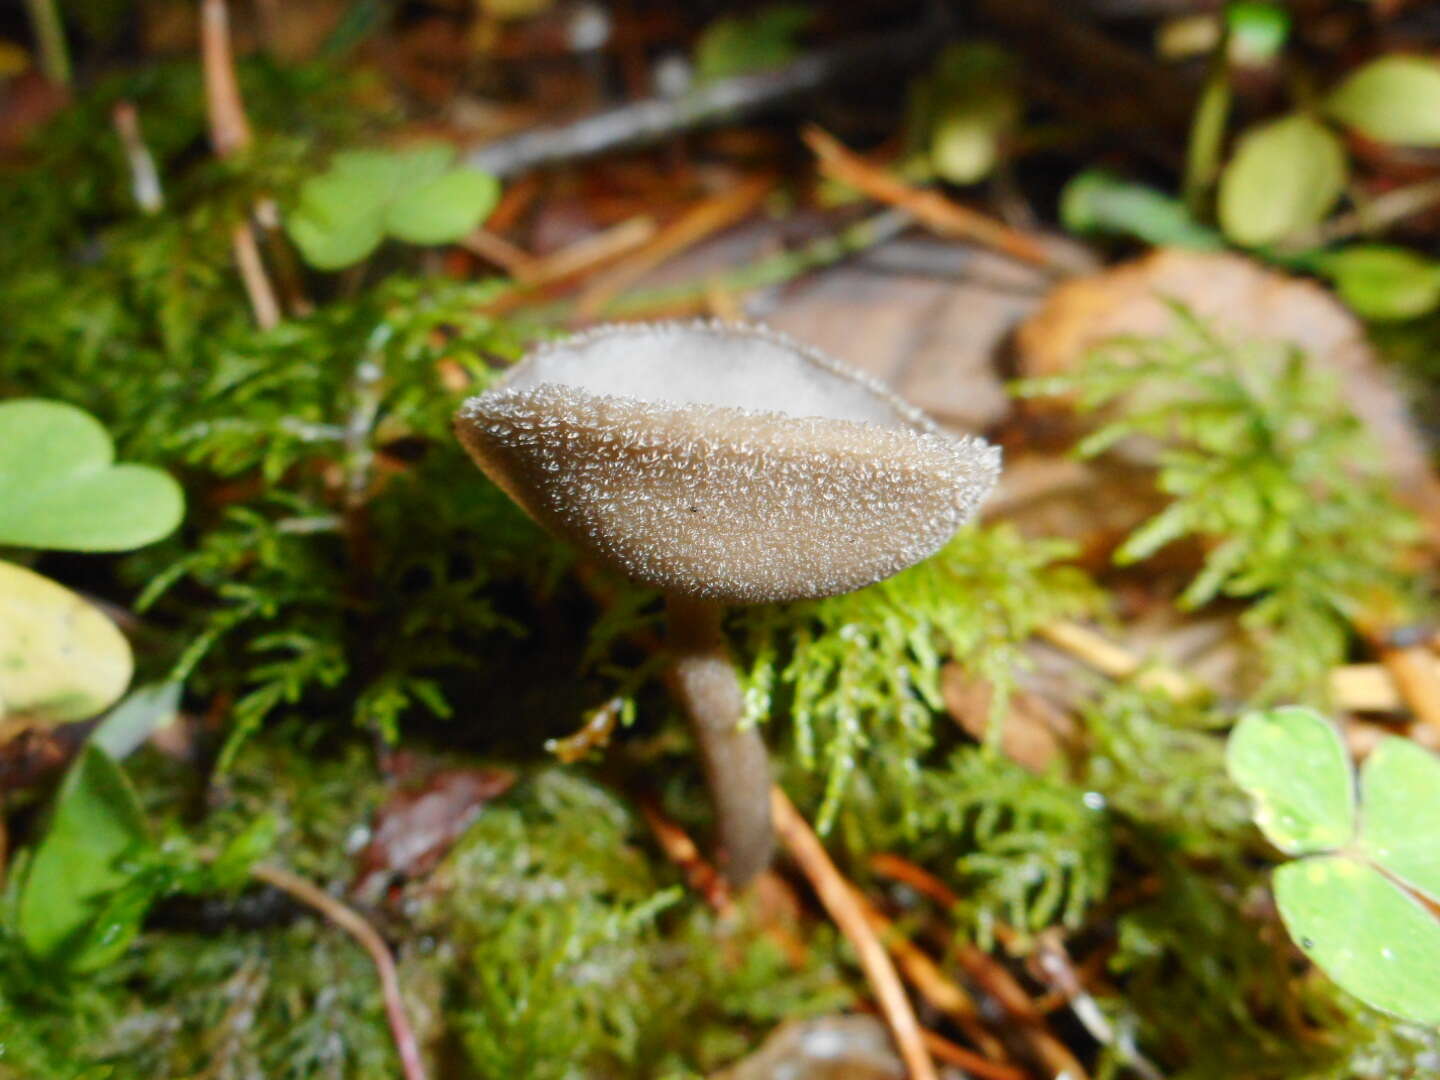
(412, 195)
(60, 488)
(1350, 901)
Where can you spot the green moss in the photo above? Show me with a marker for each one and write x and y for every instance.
(857, 676)
(1269, 469)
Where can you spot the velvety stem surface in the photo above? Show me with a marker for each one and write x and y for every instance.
(702, 676)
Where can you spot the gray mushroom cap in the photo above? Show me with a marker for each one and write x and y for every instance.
(722, 462)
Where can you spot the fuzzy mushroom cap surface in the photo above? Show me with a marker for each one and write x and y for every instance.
(722, 462)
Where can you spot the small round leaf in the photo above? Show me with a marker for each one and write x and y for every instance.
(340, 219)
(1366, 933)
(1395, 99)
(1400, 819)
(59, 488)
(1292, 763)
(422, 161)
(1384, 283)
(1284, 177)
(442, 210)
(60, 658)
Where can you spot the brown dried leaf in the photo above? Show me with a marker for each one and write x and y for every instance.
(1036, 732)
(418, 823)
(1243, 300)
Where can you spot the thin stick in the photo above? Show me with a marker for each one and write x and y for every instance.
(723, 100)
(954, 1054)
(838, 897)
(702, 220)
(930, 208)
(252, 274)
(229, 135)
(1417, 678)
(942, 992)
(229, 128)
(1119, 663)
(498, 250)
(1381, 212)
(406, 1046)
(590, 252)
(682, 851)
(988, 973)
(737, 768)
(144, 178)
(1054, 964)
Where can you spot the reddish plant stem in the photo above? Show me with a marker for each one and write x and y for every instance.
(229, 128)
(406, 1046)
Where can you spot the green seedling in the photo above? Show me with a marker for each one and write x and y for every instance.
(1381, 282)
(1258, 32)
(1358, 896)
(417, 196)
(1394, 99)
(965, 109)
(86, 888)
(1284, 177)
(742, 45)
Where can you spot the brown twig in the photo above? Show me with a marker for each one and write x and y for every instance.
(987, 972)
(252, 274)
(651, 121)
(971, 1062)
(942, 992)
(704, 219)
(590, 252)
(675, 842)
(406, 1045)
(229, 128)
(838, 898)
(930, 208)
(496, 249)
(1115, 661)
(144, 179)
(229, 135)
(1417, 677)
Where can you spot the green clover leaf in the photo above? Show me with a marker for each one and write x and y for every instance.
(60, 487)
(1292, 763)
(412, 195)
(1400, 827)
(1351, 904)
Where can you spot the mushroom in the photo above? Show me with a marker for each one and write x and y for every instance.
(723, 464)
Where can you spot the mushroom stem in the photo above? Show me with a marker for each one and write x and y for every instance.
(737, 771)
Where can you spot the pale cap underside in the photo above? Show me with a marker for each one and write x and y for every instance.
(834, 485)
